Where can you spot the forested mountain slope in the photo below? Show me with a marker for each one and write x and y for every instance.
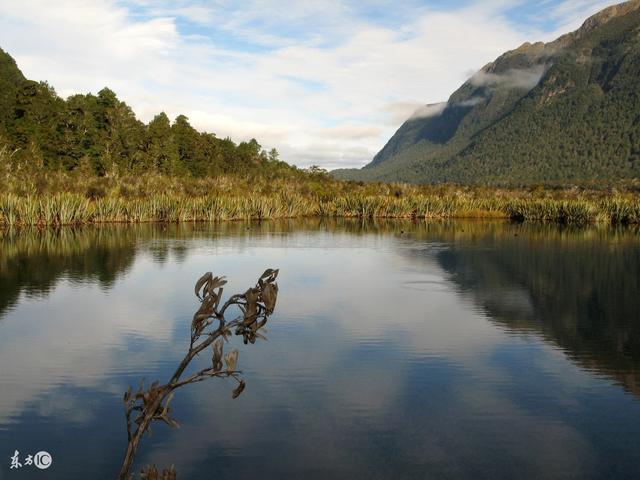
(566, 111)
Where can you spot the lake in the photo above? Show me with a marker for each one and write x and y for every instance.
(397, 350)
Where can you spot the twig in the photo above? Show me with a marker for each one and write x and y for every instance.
(152, 404)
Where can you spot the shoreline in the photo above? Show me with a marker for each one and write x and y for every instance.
(71, 209)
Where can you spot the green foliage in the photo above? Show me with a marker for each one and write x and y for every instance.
(69, 198)
(580, 124)
(88, 159)
(99, 135)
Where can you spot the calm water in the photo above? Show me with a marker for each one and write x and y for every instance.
(397, 350)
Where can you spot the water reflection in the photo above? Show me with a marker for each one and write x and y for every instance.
(577, 288)
(32, 261)
(399, 349)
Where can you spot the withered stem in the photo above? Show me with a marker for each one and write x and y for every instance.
(150, 402)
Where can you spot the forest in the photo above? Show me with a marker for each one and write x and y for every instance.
(88, 159)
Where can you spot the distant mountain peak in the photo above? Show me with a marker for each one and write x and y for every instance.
(609, 13)
(543, 112)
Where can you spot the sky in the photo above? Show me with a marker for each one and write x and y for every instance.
(325, 82)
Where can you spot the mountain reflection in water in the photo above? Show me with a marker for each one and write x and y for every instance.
(398, 350)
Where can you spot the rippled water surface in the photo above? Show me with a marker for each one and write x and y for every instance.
(397, 350)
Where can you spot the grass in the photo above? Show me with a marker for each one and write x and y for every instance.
(74, 209)
(68, 199)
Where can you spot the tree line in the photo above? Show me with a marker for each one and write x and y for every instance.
(100, 135)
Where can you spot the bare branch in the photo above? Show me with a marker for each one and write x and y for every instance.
(145, 406)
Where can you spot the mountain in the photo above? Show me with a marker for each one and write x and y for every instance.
(564, 111)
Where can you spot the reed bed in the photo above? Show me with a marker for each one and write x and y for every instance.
(57, 198)
(612, 210)
(73, 209)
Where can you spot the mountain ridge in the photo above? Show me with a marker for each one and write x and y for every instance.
(493, 129)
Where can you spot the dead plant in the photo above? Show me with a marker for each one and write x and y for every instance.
(209, 328)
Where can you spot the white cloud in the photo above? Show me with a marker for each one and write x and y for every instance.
(431, 110)
(524, 79)
(80, 353)
(319, 82)
(470, 102)
(397, 112)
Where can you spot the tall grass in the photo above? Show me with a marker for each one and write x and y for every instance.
(72, 209)
(65, 199)
(611, 210)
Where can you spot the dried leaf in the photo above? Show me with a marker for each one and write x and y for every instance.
(217, 355)
(150, 472)
(199, 323)
(216, 283)
(204, 312)
(238, 390)
(170, 421)
(231, 359)
(127, 395)
(198, 318)
(269, 296)
(201, 281)
(250, 310)
(269, 274)
(207, 305)
(252, 295)
(218, 297)
(266, 273)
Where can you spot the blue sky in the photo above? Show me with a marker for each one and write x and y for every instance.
(325, 82)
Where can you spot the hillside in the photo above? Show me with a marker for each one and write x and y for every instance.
(565, 111)
(101, 135)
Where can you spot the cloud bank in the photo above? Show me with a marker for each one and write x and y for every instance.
(524, 79)
(427, 111)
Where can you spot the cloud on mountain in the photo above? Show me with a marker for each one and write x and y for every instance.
(285, 73)
(524, 79)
